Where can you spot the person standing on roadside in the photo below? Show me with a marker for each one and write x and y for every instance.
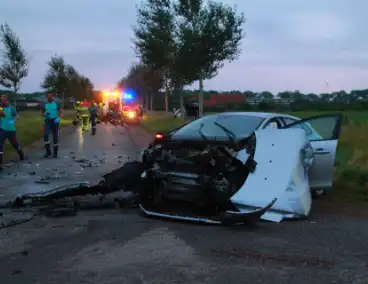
(93, 116)
(85, 115)
(52, 112)
(8, 116)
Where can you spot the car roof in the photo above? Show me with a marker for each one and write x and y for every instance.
(257, 114)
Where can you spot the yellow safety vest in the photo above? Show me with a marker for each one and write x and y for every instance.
(84, 111)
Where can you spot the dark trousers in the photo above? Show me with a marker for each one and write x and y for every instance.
(11, 136)
(94, 122)
(53, 127)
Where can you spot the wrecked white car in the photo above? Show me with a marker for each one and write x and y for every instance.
(228, 169)
(232, 168)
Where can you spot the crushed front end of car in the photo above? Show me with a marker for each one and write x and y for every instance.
(195, 180)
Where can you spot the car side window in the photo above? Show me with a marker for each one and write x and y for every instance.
(273, 123)
(305, 126)
(319, 129)
(288, 120)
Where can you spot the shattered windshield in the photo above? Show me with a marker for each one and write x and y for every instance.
(239, 125)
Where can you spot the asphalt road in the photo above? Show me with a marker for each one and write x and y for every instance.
(119, 246)
(82, 157)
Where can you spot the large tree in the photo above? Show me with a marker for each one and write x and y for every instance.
(155, 38)
(213, 32)
(188, 40)
(79, 86)
(144, 80)
(56, 79)
(14, 63)
(64, 80)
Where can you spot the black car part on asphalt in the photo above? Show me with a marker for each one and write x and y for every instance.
(128, 178)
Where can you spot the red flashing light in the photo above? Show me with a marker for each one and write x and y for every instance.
(159, 136)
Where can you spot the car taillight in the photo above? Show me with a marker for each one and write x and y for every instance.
(159, 136)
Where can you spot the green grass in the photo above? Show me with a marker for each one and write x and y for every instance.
(30, 127)
(153, 124)
(351, 164)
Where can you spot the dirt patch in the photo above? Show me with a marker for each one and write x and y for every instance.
(263, 257)
(334, 206)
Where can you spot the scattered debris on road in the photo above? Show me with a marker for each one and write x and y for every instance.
(10, 219)
(65, 201)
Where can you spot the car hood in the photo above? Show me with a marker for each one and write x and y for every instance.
(279, 174)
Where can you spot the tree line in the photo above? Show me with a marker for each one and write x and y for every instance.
(266, 101)
(61, 78)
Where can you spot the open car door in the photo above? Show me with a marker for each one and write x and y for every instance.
(323, 132)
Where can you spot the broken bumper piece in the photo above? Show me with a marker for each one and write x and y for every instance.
(227, 218)
(35, 198)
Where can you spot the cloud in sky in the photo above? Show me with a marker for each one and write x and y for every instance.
(289, 44)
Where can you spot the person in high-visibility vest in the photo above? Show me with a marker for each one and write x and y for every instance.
(52, 112)
(85, 115)
(8, 115)
(77, 113)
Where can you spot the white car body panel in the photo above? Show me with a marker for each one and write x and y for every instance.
(292, 162)
(321, 175)
(280, 174)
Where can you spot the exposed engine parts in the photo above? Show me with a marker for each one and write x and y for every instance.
(196, 182)
(204, 175)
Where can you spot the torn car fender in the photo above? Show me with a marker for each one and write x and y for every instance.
(279, 174)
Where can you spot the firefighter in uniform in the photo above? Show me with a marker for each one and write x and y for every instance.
(52, 112)
(93, 110)
(8, 115)
(99, 110)
(77, 113)
(85, 115)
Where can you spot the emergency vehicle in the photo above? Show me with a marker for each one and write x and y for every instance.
(112, 106)
(121, 106)
(132, 111)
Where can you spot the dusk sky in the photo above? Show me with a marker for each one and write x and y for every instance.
(289, 44)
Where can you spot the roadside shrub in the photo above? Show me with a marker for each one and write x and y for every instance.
(265, 106)
(345, 120)
(351, 183)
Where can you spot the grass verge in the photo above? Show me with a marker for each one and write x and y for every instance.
(351, 164)
(30, 127)
(153, 124)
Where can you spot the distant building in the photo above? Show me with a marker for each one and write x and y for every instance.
(223, 99)
(255, 101)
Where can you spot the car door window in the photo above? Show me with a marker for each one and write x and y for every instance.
(273, 123)
(319, 128)
(288, 120)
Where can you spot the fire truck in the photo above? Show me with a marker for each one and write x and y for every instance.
(112, 107)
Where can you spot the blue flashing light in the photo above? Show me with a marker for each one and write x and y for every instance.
(128, 95)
